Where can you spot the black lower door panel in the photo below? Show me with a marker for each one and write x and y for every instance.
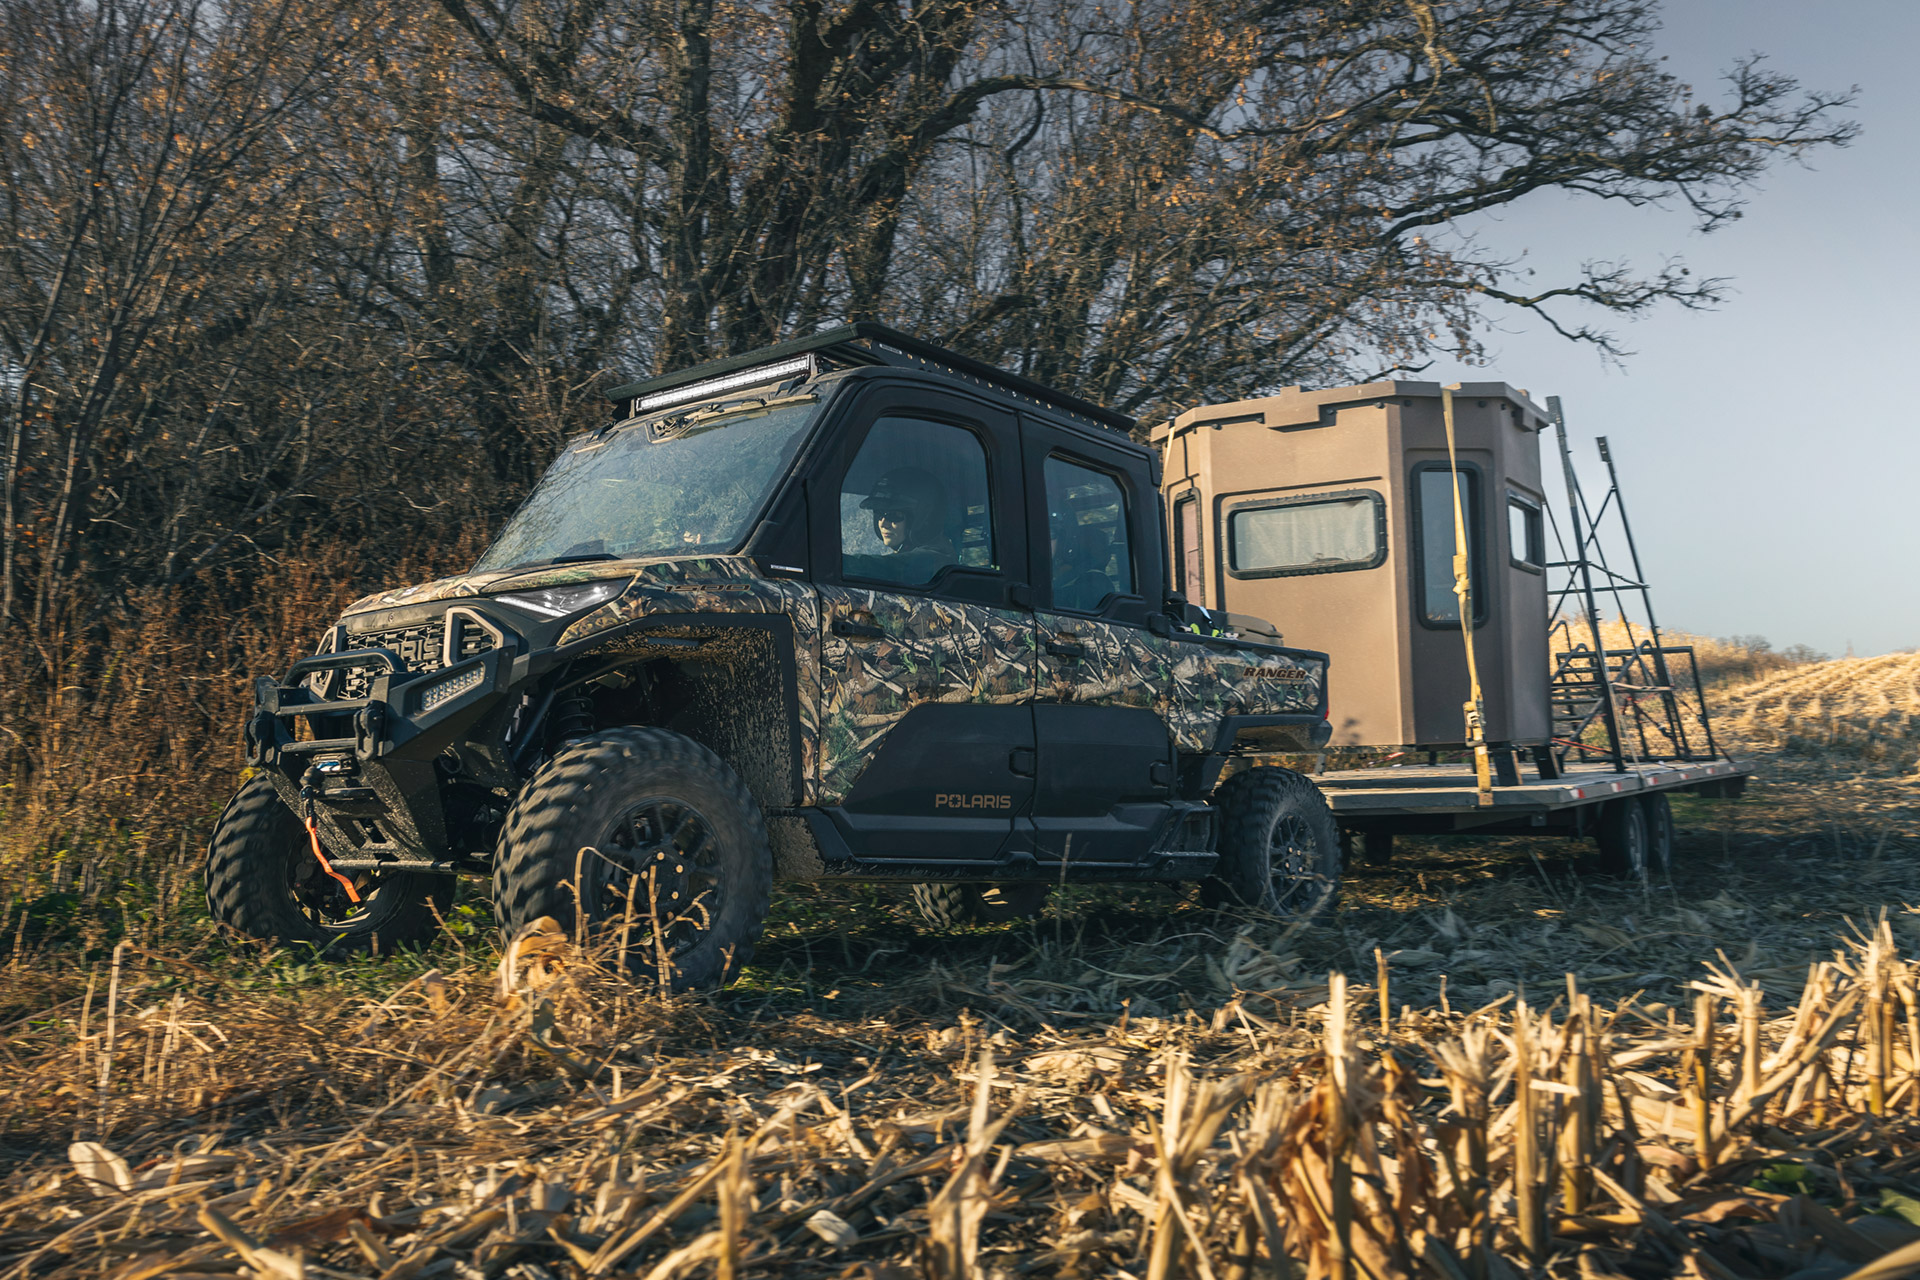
(945, 786)
(1104, 786)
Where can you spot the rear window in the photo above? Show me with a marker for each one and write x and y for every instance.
(1316, 533)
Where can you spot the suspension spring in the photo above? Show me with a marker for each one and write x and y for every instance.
(572, 716)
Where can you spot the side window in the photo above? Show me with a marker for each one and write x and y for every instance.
(1087, 528)
(1187, 567)
(1526, 538)
(1323, 533)
(1433, 523)
(914, 502)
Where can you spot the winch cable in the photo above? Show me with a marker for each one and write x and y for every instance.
(1463, 593)
(313, 835)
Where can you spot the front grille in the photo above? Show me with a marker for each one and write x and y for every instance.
(423, 648)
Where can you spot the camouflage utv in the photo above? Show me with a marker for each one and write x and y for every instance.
(851, 607)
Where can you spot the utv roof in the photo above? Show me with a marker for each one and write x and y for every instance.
(851, 346)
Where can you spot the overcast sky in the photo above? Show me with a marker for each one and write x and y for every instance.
(1768, 449)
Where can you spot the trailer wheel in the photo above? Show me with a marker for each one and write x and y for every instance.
(263, 881)
(950, 906)
(1659, 832)
(666, 844)
(1279, 847)
(1622, 838)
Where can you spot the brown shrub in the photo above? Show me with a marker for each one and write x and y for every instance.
(121, 742)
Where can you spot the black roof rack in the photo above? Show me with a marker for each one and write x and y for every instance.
(867, 343)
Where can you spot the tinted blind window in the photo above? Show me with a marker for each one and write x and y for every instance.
(1087, 529)
(1343, 533)
(1434, 496)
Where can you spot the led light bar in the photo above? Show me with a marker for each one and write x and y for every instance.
(441, 692)
(712, 387)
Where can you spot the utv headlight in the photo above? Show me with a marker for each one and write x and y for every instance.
(558, 602)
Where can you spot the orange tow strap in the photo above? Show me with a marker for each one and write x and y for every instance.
(313, 834)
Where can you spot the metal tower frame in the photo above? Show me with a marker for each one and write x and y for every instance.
(1618, 703)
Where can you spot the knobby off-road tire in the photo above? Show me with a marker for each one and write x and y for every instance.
(1659, 832)
(648, 818)
(1627, 840)
(263, 880)
(951, 906)
(1279, 846)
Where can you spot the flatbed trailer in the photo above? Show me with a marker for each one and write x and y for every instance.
(1442, 799)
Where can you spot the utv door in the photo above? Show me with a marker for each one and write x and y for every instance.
(926, 747)
(1106, 759)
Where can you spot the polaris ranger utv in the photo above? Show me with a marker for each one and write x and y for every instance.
(851, 607)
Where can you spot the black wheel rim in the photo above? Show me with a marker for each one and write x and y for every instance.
(1293, 865)
(654, 881)
(323, 900)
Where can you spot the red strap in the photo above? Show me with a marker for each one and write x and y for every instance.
(313, 834)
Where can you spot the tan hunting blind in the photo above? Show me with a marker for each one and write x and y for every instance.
(1331, 513)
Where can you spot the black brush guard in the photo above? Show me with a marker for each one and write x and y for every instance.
(371, 781)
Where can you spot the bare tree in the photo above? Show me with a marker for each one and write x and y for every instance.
(275, 269)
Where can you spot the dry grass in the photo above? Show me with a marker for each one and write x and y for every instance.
(1861, 709)
(1128, 1087)
(120, 741)
(1720, 661)
(572, 1126)
(1160, 1096)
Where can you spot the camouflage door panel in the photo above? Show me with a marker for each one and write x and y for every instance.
(1114, 668)
(1193, 686)
(929, 650)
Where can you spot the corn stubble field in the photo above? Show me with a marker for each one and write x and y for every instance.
(1487, 1062)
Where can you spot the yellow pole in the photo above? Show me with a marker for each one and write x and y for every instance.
(1463, 593)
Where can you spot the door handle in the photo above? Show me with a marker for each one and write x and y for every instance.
(1022, 761)
(1071, 650)
(857, 630)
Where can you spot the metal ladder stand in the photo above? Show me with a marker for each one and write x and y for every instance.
(1618, 704)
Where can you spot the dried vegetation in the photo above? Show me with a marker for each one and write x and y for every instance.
(1862, 709)
(1128, 1087)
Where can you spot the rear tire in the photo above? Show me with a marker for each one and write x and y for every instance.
(264, 882)
(1659, 832)
(952, 906)
(1623, 838)
(1279, 847)
(649, 817)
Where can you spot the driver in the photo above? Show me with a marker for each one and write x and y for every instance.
(909, 511)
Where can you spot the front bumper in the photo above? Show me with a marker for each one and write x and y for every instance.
(369, 765)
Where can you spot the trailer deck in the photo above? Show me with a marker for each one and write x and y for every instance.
(1438, 798)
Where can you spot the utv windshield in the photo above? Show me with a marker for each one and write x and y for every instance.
(668, 486)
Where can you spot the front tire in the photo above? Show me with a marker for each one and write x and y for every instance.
(1279, 847)
(264, 882)
(667, 844)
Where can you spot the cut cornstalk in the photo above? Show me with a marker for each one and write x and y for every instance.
(1700, 1080)
(1526, 1155)
(1339, 1136)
